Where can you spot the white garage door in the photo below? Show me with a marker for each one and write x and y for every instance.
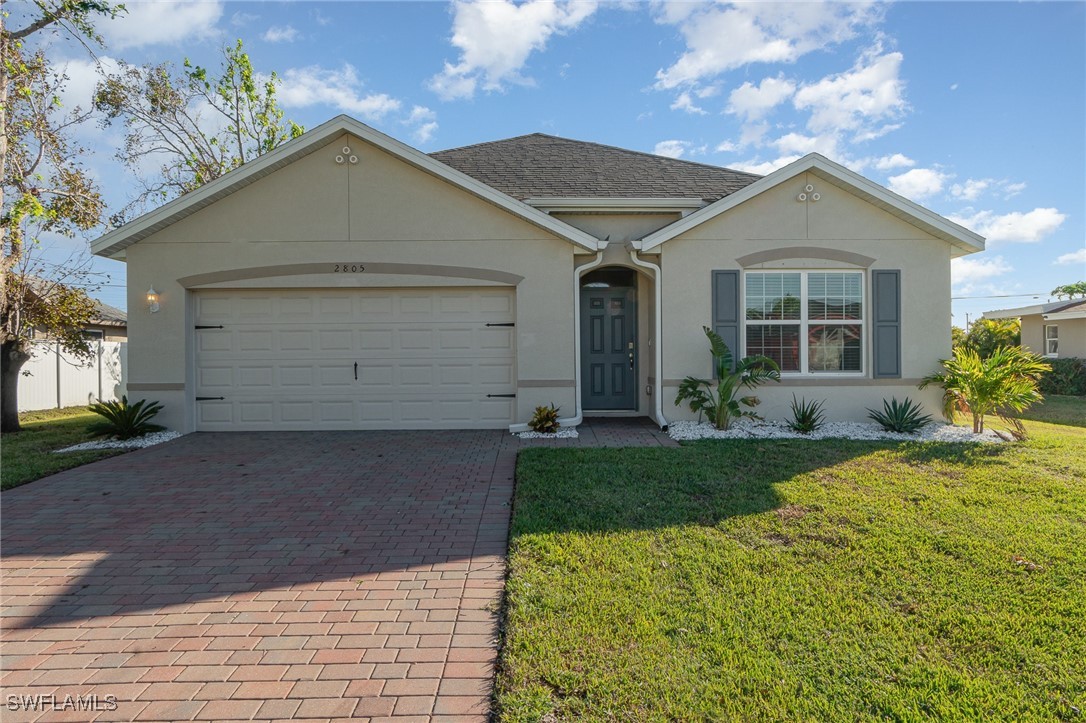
(295, 359)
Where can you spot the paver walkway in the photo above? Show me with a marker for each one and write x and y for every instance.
(265, 576)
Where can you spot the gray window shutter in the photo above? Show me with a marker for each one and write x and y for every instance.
(726, 318)
(886, 318)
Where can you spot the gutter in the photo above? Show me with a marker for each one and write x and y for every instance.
(578, 272)
(658, 377)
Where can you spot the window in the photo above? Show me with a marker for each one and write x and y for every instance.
(806, 321)
(1052, 340)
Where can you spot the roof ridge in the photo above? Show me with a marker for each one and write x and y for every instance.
(628, 151)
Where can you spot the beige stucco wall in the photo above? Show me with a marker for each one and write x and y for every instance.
(380, 211)
(1072, 335)
(838, 221)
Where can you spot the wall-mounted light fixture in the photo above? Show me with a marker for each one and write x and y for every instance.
(152, 299)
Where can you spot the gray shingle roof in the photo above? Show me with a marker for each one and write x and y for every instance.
(539, 165)
(109, 315)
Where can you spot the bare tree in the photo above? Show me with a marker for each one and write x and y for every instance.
(196, 125)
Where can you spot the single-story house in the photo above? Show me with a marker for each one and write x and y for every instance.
(108, 323)
(346, 280)
(1054, 330)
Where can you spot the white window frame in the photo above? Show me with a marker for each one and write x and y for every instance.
(1049, 351)
(804, 323)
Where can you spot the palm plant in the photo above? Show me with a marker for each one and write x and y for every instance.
(1005, 381)
(123, 420)
(716, 398)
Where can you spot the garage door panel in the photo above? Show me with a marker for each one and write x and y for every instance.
(286, 359)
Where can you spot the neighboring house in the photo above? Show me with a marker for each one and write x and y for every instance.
(108, 323)
(348, 281)
(1055, 330)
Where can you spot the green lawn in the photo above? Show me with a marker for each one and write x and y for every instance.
(1059, 410)
(793, 580)
(27, 455)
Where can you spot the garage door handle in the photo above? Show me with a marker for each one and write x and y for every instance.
(506, 396)
(202, 326)
(208, 399)
(504, 323)
(356, 371)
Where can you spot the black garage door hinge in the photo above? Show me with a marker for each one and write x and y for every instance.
(504, 323)
(204, 326)
(506, 396)
(208, 399)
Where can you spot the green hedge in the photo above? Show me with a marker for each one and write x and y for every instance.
(1068, 376)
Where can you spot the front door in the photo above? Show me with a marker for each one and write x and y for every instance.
(608, 347)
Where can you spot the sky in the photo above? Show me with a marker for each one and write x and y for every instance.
(975, 110)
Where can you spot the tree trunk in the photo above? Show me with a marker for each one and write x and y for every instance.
(978, 423)
(12, 359)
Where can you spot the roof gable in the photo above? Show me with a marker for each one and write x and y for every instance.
(926, 220)
(113, 243)
(543, 166)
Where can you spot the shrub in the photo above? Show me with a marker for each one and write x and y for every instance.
(544, 420)
(1068, 376)
(902, 417)
(1005, 381)
(806, 416)
(717, 398)
(123, 420)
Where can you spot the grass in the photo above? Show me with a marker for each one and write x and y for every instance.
(796, 580)
(1058, 409)
(27, 455)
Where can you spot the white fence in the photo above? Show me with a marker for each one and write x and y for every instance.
(59, 380)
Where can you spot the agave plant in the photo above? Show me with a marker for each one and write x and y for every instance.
(1005, 381)
(123, 420)
(806, 416)
(716, 398)
(898, 416)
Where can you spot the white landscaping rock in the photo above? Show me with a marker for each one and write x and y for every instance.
(563, 433)
(683, 430)
(136, 442)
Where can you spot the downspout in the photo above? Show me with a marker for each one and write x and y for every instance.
(578, 272)
(658, 376)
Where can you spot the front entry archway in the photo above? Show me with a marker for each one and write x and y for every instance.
(609, 339)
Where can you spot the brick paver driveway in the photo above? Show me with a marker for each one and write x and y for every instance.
(261, 576)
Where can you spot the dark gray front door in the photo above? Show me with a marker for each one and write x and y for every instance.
(608, 348)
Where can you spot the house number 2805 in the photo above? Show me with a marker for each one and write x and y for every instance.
(348, 269)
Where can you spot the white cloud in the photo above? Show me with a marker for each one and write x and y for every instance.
(672, 149)
(1075, 257)
(797, 144)
(918, 183)
(752, 102)
(241, 19)
(724, 37)
(425, 122)
(727, 147)
(340, 89)
(968, 270)
(897, 160)
(971, 189)
(686, 103)
(763, 168)
(281, 34)
(495, 39)
(153, 23)
(83, 76)
(1029, 227)
(1013, 189)
(859, 100)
